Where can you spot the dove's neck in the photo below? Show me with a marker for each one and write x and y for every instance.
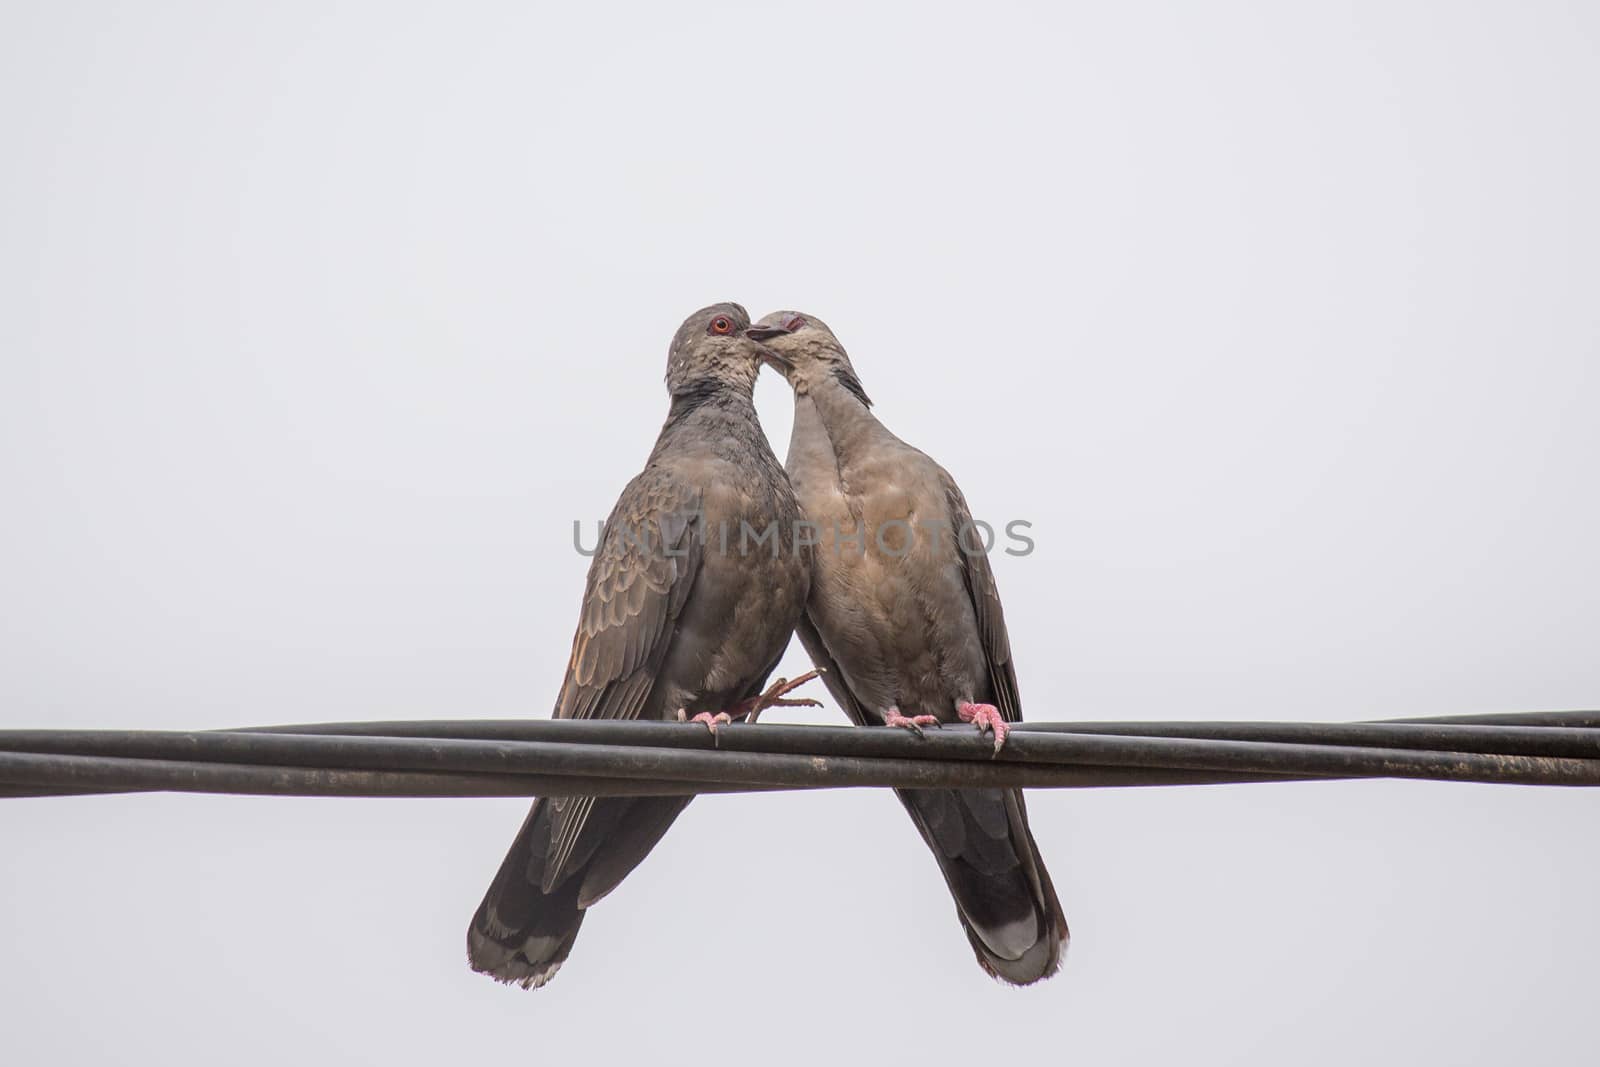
(709, 411)
(833, 410)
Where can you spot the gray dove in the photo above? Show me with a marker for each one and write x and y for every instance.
(676, 620)
(904, 619)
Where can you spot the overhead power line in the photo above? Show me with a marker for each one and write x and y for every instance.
(607, 758)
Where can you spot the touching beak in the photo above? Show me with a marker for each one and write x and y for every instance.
(758, 334)
(765, 333)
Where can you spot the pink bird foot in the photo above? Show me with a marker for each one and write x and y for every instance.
(710, 720)
(987, 718)
(775, 697)
(914, 723)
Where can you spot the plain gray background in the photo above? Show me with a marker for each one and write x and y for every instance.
(322, 323)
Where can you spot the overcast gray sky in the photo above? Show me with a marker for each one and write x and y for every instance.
(322, 323)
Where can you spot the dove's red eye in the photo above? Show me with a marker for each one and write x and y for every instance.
(722, 324)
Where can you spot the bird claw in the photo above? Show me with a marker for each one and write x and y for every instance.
(774, 697)
(749, 709)
(707, 719)
(987, 718)
(914, 723)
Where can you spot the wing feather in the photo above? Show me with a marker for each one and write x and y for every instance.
(639, 582)
(986, 609)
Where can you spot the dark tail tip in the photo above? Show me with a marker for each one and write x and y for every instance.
(1041, 960)
(518, 957)
(991, 863)
(522, 935)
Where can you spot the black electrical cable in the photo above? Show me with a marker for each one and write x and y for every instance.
(501, 758)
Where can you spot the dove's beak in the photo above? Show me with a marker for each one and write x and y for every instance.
(760, 333)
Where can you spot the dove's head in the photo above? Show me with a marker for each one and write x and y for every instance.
(711, 350)
(806, 352)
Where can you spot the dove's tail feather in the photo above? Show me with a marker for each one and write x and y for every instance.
(1002, 891)
(522, 933)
